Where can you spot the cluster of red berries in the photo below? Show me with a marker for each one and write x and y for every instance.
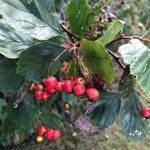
(44, 90)
(145, 112)
(48, 133)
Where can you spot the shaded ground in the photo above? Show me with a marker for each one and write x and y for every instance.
(112, 138)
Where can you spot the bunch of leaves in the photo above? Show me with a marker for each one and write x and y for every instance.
(32, 47)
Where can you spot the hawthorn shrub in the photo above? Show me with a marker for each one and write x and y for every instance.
(47, 62)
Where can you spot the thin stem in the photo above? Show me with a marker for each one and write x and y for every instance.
(70, 34)
(56, 58)
(145, 33)
(60, 54)
(124, 37)
(116, 58)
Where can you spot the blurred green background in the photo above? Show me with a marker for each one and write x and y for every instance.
(136, 13)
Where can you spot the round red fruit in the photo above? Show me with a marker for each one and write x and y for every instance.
(56, 135)
(92, 94)
(50, 82)
(145, 111)
(79, 89)
(68, 86)
(49, 134)
(80, 81)
(59, 86)
(39, 87)
(41, 130)
(38, 95)
(50, 91)
(45, 96)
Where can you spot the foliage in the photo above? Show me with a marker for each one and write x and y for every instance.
(35, 45)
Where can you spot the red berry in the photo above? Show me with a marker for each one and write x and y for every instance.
(68, 86)
(45, 96)
(80, 81)
(38, 95)
(50, 82)
(56, 135)
(32, 87)
(50, 91)
(145, 112)
(79, 89)
(41, 130)
(92, 94)
(49, 134)
(39, 87)
(59, 86)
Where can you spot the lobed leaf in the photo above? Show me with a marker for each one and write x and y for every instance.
(25, 113)
(137, 55)
(32, 17)
(52, 120)
(3, 112)
(10, 81)
(131, 121)
(12, 42)
(77, 13)
(98, 60)
(35, 61)
(113, 29)
(107, 109)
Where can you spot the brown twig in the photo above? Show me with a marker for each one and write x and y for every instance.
(70, 34)
(116, 58)
(125, 37)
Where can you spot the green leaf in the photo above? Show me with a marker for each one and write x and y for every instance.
(95, 10)
(73, 69)
(131, 121)
(69, 98)
(113, 29)
(52, 120)
(34, 62)
(25, 113)
(137, 55)
(8, 127)
(126, 84)
(106, 109)
(18, 12)
(10, 81)
(12, 42)
(3, 112)
(77, 13)
(98, 60)
(53, 99)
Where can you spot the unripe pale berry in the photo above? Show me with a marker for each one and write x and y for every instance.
(145, 112)
(38, 95)
(68, 86)
(39, 138)
(59, 86)
(93, 94)
(79, 89)
(41, 131)
(49, 134)
(50, 82)
(39, 87)
(56, 135)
